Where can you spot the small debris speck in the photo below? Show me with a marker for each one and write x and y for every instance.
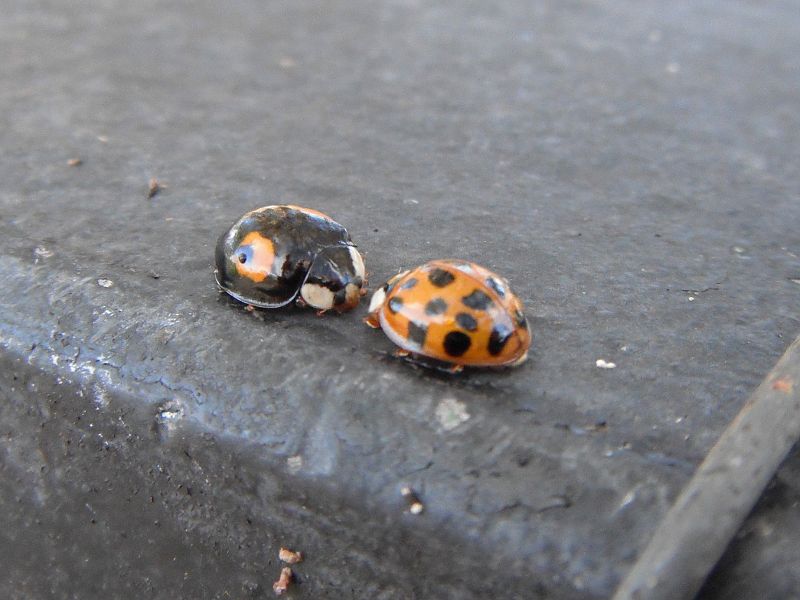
(102, 138)
(284, 581)
(42, 252)
(673, 68)
(410, 201)
(295, 463)
(74, 162)
(106, 283)
(784, 385)
(287, 62)
(415, 505)
(290, 557)
(691, 298)
(153, 187)
(603, 364)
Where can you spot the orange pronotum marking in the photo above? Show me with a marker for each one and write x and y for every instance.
(309, 211)
(259, 265)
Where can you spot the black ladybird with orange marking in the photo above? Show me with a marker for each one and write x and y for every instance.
(455, 312)
(278, 254)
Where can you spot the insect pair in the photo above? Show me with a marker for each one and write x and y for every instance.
(451, 311)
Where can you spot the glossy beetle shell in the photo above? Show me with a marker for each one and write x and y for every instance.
(277, 254)
(453, 311)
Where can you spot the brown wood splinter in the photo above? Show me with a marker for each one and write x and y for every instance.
(153, 187)
(290, 557)
(284, 581)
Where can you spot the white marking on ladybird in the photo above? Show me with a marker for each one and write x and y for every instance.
(377, 300)
(451, 413)
(317, 296)
(522, 358)
(358, 262)
(602, 364)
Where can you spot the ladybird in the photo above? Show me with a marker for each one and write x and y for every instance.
(455, 312)
(278, 254)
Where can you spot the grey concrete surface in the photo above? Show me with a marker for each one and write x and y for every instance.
(631, 167)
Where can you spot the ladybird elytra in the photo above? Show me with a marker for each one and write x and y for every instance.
(453, 311)
(278, 254)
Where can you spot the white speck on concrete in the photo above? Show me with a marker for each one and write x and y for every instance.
(603, 364)
(673, 68)
(691, 298)
(295, 463)
(42, 252)
(410, 201)
(736, 462)
(451, 413)
(106, 283)
(628, 499)
(169, 413)
(654, 36)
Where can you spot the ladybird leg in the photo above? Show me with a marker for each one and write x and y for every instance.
(402, 353)
(372, 320)
(321, 312)
(300, 302)
(364, 284)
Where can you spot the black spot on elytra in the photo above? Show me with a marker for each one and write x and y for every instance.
(407, 285)
(440, 277)
(498, 339)
(456, 343)
(417, 333)
(395, 304)
(466, 321)
(496, 286)
(477, 300)
(437, 306)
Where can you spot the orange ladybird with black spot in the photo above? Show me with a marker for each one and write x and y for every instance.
(278, 254)
(455, 312)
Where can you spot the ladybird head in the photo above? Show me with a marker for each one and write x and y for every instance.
(379, 297)
(335, 279)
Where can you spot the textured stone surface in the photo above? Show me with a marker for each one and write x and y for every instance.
(631, 168)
